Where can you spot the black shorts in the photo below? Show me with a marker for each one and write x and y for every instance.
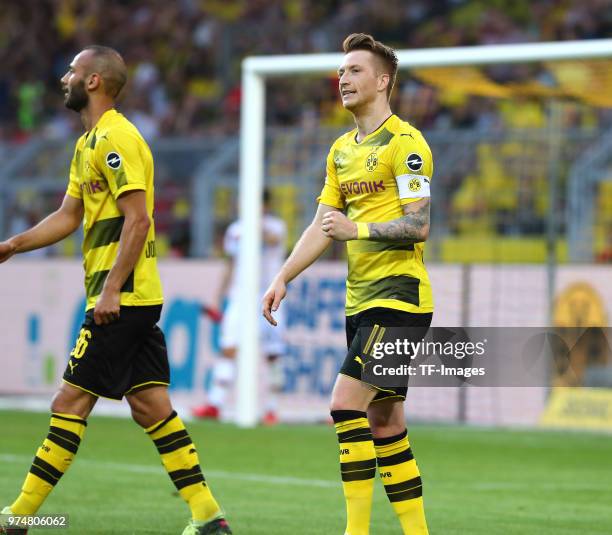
(115, 359)
(383, 317)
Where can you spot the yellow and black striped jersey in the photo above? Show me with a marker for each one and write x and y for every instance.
(371, 181)
(110, 159)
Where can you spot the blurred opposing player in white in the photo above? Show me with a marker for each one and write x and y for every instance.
(272, 339)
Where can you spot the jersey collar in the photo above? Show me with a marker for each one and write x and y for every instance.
(106, 117)
(374, 132)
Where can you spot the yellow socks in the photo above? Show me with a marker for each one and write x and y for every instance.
(357, 467)
(401, 478)
(181, 461)
(51, 461)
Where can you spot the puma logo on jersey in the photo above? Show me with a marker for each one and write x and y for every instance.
(358, 187)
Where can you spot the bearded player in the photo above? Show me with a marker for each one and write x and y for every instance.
(120, 350)
(376, 198)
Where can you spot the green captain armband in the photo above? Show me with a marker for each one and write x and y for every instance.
(363, 231)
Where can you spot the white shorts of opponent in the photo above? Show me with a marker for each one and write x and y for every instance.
(272, 339)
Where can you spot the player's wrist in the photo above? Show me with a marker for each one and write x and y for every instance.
(281, 278)
(111, 286)
(14, 243)
(363, 231)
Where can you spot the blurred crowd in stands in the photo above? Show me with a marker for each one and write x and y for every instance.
(184, 56)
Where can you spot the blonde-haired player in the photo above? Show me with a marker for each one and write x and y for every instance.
(376, 198)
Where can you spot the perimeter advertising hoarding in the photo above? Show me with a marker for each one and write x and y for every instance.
(41, 308)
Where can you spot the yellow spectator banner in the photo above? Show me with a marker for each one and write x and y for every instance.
(579, 408)
(589, 81)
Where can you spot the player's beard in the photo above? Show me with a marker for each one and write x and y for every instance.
(77, 98)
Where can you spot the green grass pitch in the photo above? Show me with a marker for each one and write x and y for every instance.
(284, 480)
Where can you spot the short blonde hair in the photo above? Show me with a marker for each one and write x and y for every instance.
(386, 55)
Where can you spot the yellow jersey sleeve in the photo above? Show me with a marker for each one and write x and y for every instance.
(331, 194)
(118, 158)
(412, 167)
(73, 188)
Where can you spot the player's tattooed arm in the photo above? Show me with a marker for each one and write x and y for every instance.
(413, 226)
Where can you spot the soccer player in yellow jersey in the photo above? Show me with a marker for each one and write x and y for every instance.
(376, 198)
(120, 350)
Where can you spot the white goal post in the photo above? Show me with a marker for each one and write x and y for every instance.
(255, 71)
